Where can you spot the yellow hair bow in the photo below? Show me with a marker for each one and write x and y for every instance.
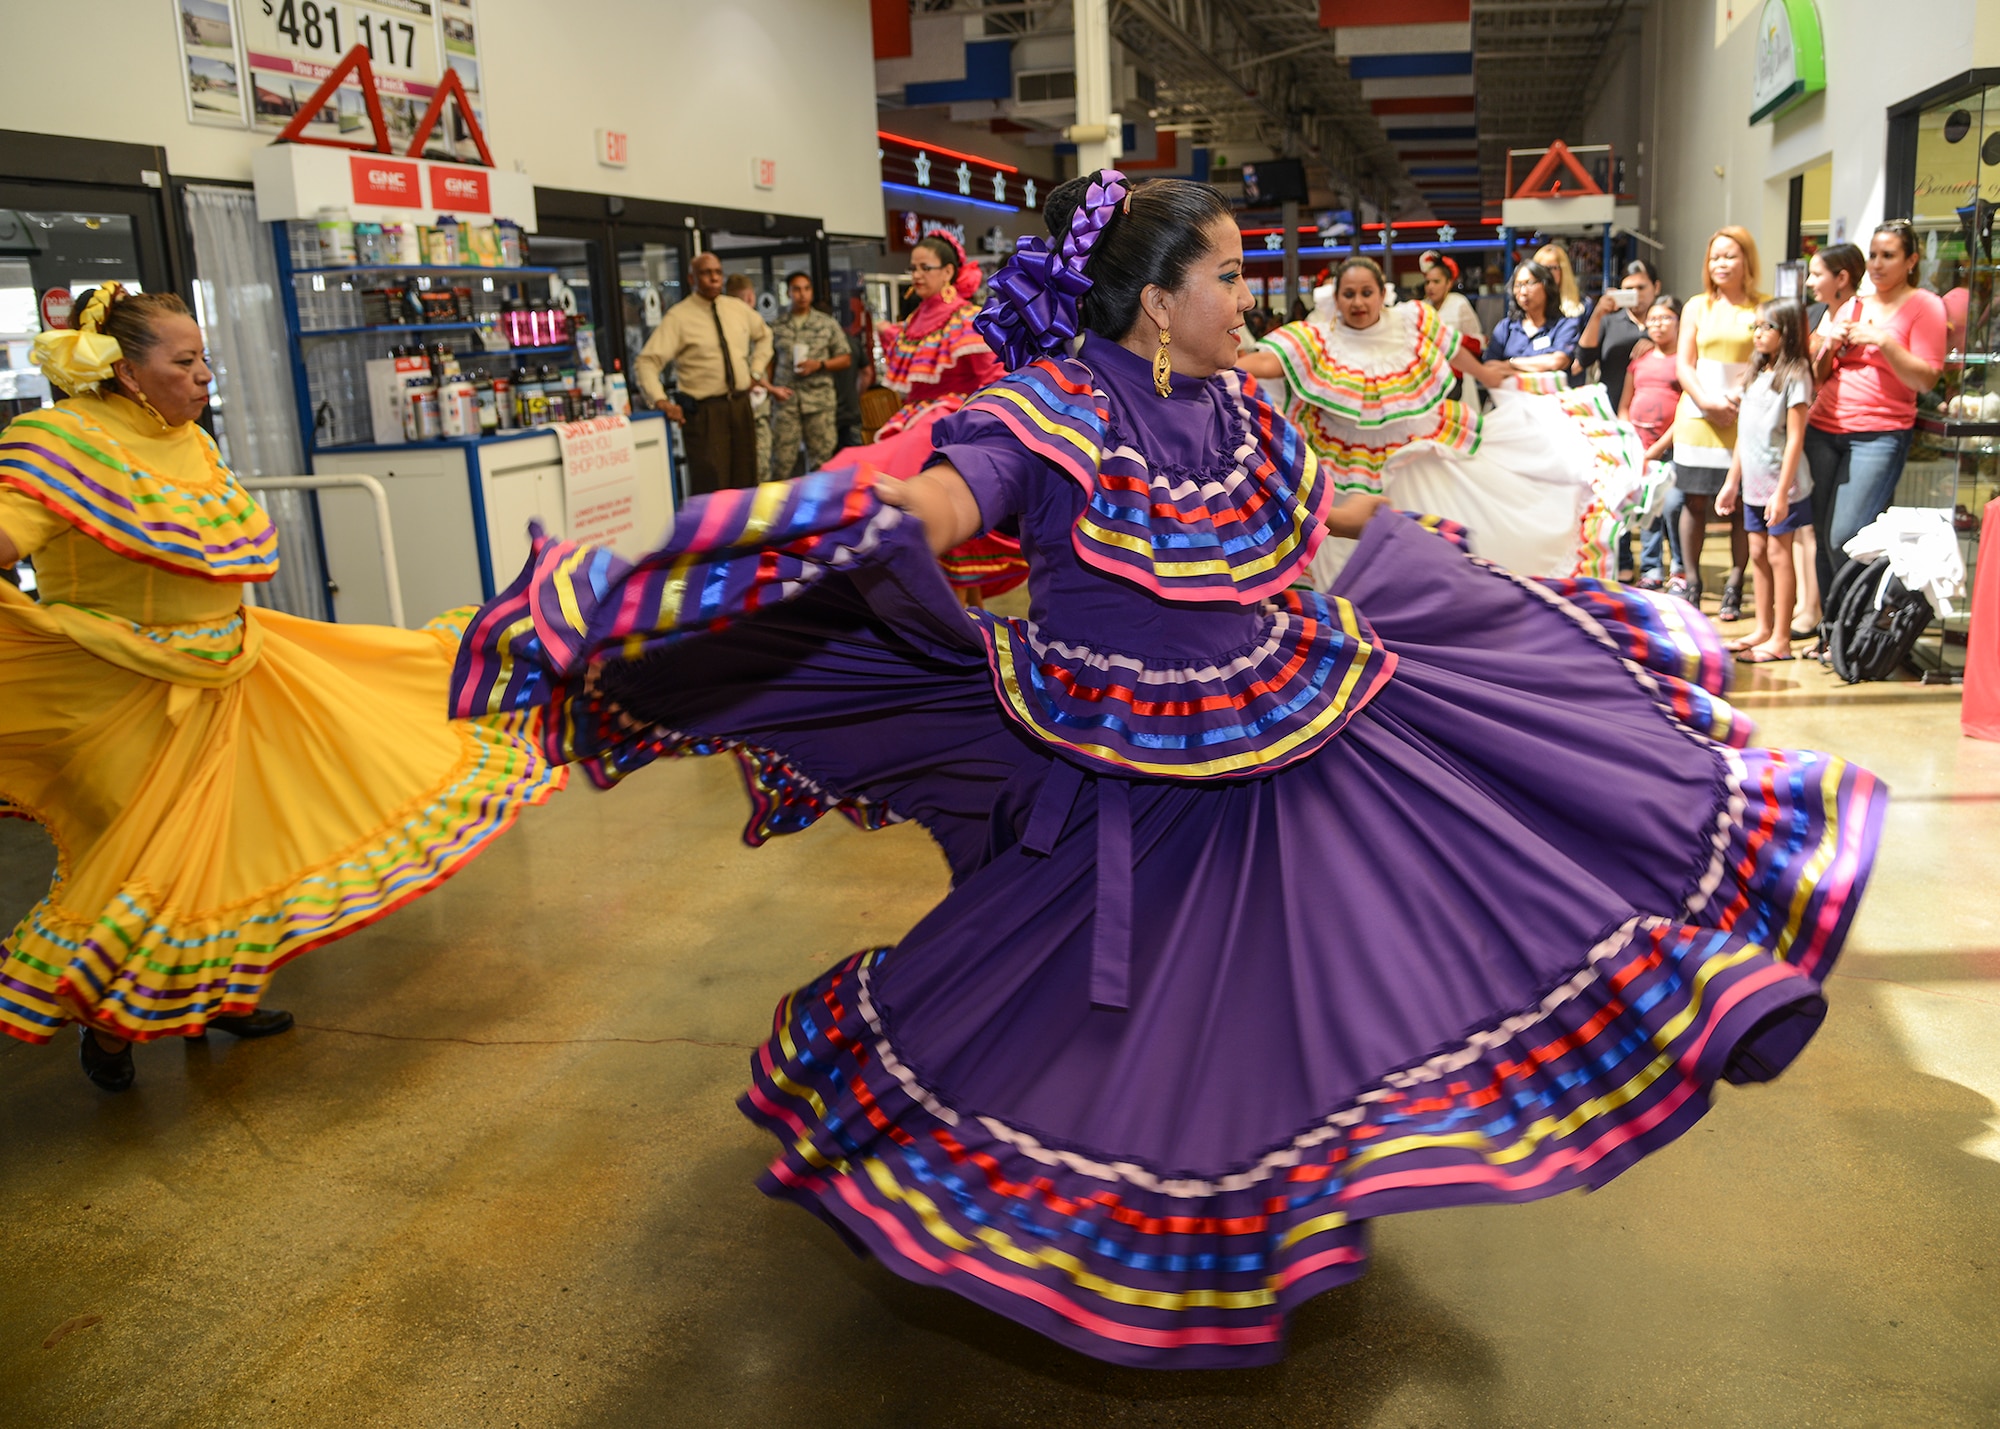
(75, 361)
(78, 358)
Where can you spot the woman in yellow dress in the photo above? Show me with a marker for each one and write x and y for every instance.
(1718, 330)
(226, 787)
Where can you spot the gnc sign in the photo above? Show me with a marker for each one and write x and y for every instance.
(384, 180)
(460, 190)
(298, 180)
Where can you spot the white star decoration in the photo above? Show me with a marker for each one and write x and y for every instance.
(1446, 233)
(965, 179)
(1274, 240)
(923, 167)
(999, 188)
(1029, 187)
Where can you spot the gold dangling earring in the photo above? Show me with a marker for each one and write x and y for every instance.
(1163, 369)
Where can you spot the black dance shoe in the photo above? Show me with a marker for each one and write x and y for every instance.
(109, 1071)
(264, 1022)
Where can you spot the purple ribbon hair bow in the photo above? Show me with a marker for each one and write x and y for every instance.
(1032, 302)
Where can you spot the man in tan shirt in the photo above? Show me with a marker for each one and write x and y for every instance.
(720, 349)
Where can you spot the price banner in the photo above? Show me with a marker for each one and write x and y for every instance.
(600, 484)
(291, 46)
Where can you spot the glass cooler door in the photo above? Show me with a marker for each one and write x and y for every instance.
(70, 237)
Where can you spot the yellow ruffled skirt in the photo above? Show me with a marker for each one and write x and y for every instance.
(209, 832)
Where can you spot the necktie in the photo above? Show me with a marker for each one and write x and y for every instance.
(728, 367)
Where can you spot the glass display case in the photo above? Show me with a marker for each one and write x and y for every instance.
(1946, 153)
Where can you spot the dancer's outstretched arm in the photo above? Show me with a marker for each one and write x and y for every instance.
(1262, 364)
(938, 497)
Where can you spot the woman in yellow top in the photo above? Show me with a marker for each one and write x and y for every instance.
(1714, 365)
(226, 787)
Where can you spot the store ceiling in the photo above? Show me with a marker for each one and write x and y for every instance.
(1233, 71)
(1243, 75)
(1539, 66)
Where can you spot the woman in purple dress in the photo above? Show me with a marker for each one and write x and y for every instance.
(1272, 911)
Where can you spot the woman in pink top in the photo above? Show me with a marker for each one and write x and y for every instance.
(1875, 354)
(1652, 396)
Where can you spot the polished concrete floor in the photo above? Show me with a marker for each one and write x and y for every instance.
(496, 1176)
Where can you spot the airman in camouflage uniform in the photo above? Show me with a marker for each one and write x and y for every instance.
(742, 289)
(810, 347)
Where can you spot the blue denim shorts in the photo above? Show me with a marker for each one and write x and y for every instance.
(1800, 514)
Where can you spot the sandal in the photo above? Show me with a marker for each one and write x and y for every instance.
(1762, 657)
(1732, 600)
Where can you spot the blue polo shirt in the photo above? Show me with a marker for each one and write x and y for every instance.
(1511, 340)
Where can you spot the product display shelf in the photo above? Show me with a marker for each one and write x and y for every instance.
(328, 361)
(459, 506)
(389, 327)
(527, 270)
(1953, 465)
(1954, 458)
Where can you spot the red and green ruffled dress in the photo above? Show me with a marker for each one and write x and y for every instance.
(937, 360)
(1541, 483)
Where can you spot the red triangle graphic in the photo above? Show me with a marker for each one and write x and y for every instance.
(353, 62)
(451, 86)
(1543, 183)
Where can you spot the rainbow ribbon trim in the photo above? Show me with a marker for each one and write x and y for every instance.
(1316, 664)
(1241, 535)
(732, 552)
(923, 360)
(80, 471)
(151, 971)
(1127, 1263)
(1318, 377)
(1359, 464)
(987, 565)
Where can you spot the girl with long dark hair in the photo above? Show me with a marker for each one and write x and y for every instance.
(1272, 910)
(1768, 476)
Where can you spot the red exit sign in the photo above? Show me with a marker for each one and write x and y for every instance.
(613, 148)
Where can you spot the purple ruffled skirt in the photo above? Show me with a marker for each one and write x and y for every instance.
(1496, 940)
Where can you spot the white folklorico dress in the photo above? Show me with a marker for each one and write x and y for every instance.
(1523, 478)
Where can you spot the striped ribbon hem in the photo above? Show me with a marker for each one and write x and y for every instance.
(1130, 1265)
(146, 971)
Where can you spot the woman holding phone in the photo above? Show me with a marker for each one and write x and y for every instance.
(1615, 334)
(1873, 356)
(1833, 277)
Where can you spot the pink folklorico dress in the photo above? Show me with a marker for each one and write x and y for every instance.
(937, 360)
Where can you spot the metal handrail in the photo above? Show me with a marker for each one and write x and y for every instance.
(384, 536)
